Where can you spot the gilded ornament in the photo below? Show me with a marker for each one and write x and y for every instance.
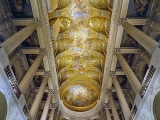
(80, 51)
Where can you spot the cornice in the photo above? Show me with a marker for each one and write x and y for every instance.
(110, 47)
(119, 11)
(43, 31)
(49, 48)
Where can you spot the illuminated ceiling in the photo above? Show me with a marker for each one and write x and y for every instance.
(80, 50)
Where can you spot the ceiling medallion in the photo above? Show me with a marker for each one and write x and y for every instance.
(80, 51)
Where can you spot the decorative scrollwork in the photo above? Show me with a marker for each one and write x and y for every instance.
(117, 50)
(109, 91)
(106, 105)
(53, 106)
(43, 51)
(50, 91)
(47, 74)
(37, 20)
(112, 73)
(121, 20)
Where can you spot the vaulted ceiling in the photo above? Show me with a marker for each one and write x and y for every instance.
(84, 47)
(80, 50)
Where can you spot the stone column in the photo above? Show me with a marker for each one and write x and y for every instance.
(46, 107)
(133, 80)
(108, 114)
(121, 98)
(113, 107)
(130, 98)
(147, 42)
(27, 79)
(14, 41)
(3, 25)
(51, 117)
(38, 98)
(146, 57)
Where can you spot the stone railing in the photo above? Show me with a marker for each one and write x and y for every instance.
(26, 112)
(12, 81)
(133, 112)
(147, 81)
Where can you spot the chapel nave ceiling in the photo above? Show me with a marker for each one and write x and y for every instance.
(80, 50)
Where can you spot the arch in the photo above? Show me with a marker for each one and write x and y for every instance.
(3, 107)
(156, 106)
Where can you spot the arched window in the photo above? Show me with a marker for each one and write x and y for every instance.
(156, 107)
(3, 107)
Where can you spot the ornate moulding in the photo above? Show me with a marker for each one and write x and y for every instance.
(45, 40)
(87, 46)
(80, 93)
(66, 113)
(96, 109)
(110, 47)
(69, 72)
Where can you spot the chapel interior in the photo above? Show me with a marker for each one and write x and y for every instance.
(79, 60)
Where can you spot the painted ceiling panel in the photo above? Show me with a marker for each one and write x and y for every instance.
(80, 50)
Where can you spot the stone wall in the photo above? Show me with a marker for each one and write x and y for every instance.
(145, 104)
(14, 105)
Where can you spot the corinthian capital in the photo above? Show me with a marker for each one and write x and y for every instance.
(117, 50)
(121, 20)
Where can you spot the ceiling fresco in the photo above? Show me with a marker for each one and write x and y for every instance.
(80, 96)
(21, 8)
(128, 40)
(138, 8)
(80, 50)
